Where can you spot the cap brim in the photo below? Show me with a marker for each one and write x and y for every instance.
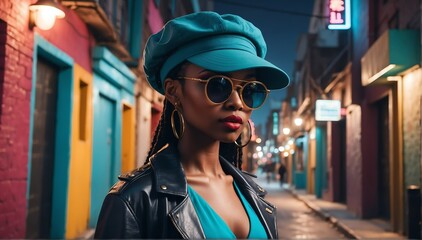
(229, 60)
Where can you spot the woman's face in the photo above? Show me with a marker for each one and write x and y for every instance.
(222, 122)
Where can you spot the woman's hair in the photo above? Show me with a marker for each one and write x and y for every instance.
(164, 133)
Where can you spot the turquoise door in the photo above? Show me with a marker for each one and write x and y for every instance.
(321, 161)
(103, 154)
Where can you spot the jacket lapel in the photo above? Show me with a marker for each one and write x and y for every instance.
(168, 173)
(266, 212)
(186, 221)
(170, 179)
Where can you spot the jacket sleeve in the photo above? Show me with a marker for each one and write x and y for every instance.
(116, 220)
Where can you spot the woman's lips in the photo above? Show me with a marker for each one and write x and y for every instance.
(231, 126)
(232, 122)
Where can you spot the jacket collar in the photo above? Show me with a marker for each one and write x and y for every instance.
(169, 173)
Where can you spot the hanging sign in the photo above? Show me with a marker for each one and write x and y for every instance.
(339, 14)
(327, 110)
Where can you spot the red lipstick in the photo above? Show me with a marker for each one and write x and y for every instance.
(232, 122)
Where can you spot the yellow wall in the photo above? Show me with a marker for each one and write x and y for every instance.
(81, 154)
(128, 138)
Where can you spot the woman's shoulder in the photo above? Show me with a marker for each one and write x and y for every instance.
(145, 178)
(137, 180)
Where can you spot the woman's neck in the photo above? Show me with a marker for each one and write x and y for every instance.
(200, 156)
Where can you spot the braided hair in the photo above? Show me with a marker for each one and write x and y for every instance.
(164, 134)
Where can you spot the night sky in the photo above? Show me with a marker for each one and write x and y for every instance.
(281, 23)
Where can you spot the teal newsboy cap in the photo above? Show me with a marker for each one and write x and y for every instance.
(219, 43)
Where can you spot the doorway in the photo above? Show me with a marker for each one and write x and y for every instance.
(343, 164)
(128, 139)
(383, 160)
(38, 220)
(103, 168)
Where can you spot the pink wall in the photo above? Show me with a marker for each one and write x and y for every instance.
(16, 54)
(16, 48)
(154, 18)
(71, 35)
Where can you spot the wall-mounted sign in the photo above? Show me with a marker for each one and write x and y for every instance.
(327, 110)
(339, 14)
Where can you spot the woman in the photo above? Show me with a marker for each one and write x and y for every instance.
(212, 71)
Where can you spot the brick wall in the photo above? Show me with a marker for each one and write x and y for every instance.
(16, 47)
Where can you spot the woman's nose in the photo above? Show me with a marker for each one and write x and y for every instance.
(234, 102)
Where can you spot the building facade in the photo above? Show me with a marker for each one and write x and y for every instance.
(370, 155)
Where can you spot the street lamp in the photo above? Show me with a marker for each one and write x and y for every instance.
(298, 121)
(43, 14)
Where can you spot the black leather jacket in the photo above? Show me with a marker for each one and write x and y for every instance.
(152, 202)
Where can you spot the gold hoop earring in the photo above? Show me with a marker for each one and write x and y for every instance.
(249, 139)
(181, 123)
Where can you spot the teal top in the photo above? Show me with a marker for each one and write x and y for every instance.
(215, 227)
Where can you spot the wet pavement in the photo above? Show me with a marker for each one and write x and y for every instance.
(345, 220)
(294, 219)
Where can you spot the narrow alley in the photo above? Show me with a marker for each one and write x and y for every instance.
(303, 216)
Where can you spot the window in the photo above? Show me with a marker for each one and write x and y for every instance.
(83, 95)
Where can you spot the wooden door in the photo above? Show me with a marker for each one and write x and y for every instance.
(43, 149)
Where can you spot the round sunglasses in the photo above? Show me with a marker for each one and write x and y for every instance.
(219, 88)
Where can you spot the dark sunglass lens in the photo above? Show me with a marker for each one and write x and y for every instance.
(254, 94)
(219, 89)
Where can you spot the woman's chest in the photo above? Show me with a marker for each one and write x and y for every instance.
(221, 203)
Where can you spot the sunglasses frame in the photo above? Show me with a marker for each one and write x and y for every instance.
(206, 81)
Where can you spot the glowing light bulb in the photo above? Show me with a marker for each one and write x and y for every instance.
(45, 14)
(298, 121)
(45, 18)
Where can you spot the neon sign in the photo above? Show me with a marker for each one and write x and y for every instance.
(339, 14)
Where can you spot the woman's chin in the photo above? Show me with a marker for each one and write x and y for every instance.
(229, 140)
